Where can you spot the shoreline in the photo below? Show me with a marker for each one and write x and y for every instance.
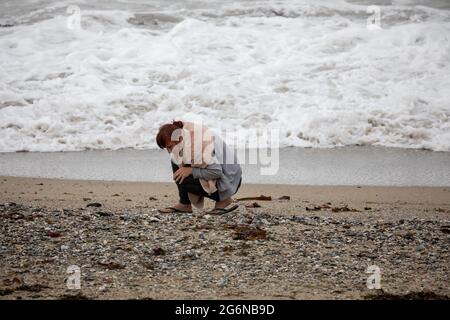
(315, 245)
(370, 166)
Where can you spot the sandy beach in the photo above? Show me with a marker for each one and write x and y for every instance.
(307, 242)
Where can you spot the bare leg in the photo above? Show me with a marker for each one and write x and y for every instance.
(184, 204)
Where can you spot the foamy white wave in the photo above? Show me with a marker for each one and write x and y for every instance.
(311, 69)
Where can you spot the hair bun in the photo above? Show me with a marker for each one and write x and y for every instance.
(178, 124)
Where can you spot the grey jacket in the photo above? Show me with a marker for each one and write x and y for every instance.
(224, 167)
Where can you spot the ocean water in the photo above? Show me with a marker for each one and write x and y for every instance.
(313, 70)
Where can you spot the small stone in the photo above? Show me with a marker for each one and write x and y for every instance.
(54, 234)
(111, 265)
(243, 232)
(148, 265)
(222, 282)
(191, 254)
(104, 214)
(253, 205)
(158, 252)
(445, 229)
(94, 204)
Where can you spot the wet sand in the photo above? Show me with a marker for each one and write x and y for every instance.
(351, 166)
(316, 244)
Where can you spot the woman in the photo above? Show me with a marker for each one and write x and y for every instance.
(202, 165)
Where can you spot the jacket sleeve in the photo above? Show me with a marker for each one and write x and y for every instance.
(211, 172)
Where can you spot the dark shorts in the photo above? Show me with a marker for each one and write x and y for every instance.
(191, 185)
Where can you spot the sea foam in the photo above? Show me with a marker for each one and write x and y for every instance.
(310, 69)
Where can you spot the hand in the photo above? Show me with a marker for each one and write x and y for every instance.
(182, 174)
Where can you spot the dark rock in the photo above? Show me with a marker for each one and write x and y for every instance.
(111, 265)
(421, 295)
(344, 209)
(445, 229)
(409, 236)
(227, 249)
(4, 292)
(104, 214)
(54, 234)
(244, 232)
(148, 265)
(94, 204)
(158, 251)
(32, 287)
(253, 205)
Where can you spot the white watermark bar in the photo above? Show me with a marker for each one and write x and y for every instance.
(374, 280)
(198, 145)
(74, 18)
(73, 281)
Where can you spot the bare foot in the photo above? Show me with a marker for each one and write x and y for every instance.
(179, 206)
(222, 204)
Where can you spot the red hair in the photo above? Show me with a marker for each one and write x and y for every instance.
(165, 133)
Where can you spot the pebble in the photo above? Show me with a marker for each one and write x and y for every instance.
(94, 204)
(305, 249)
